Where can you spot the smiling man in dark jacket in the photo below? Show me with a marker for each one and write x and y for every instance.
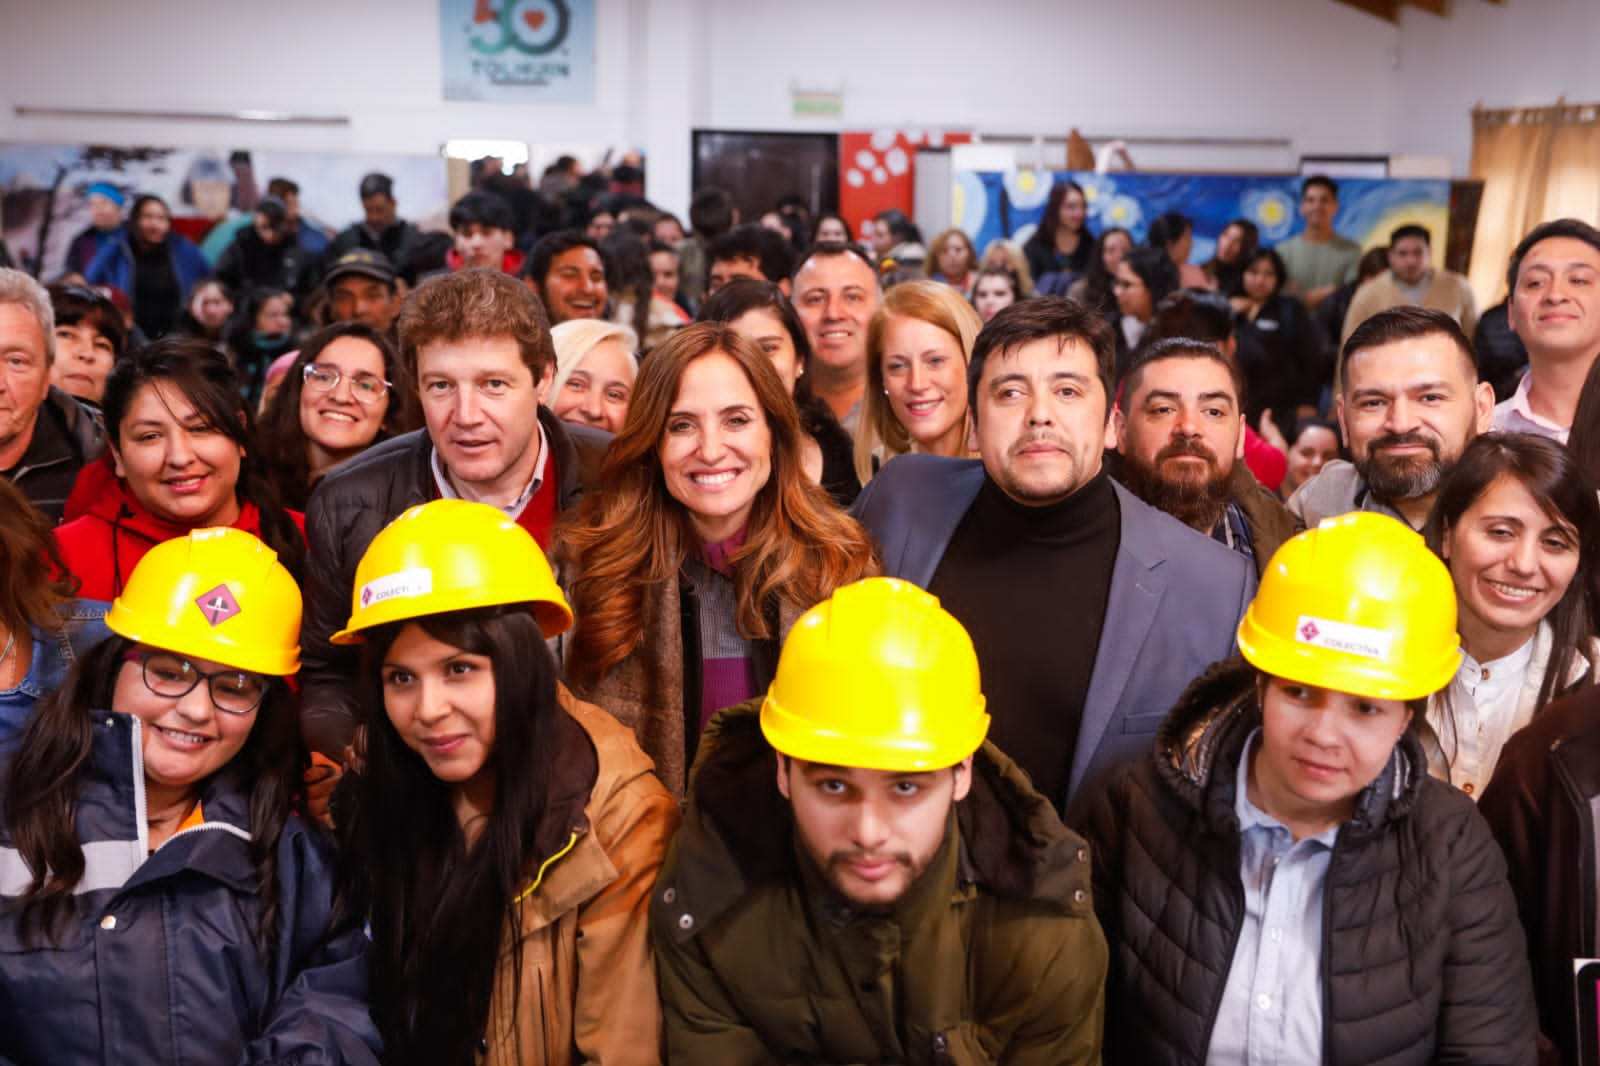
(861, 878)
(46, 436)
(479, 343)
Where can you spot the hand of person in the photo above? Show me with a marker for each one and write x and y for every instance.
(1240, 304)
(321, 777)
(1270, 433)
(1318, 294)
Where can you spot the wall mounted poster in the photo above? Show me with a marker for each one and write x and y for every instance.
(990, 204)
(210, 191)
(518, 51)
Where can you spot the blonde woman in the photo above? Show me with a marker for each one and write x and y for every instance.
(1004, 253)
(596, 364)
(917, 349)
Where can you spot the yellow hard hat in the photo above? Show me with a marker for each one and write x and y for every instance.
(452, 555)
(217, 594)
(1357, 605)
(878, 677)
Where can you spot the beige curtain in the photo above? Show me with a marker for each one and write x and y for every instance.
(1536, 164)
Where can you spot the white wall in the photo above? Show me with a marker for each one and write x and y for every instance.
(1327, 77)
(374, 61)
(1253, 68)
(1518, 54)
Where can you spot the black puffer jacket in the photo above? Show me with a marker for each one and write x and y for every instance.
(350, 505)
(1423, 958)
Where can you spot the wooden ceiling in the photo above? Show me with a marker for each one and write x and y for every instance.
(1390, 9)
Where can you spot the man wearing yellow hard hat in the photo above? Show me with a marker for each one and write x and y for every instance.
(160, 898)
(1283, 881)
(861, 877)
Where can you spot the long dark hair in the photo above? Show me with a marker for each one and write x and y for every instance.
(41, 791)
(30, 592)
(1583, 444)
(1096, 278)
(239, 337)
(1558, 484)
(440, 908)
(206, 379)
(284, 446)
(1050, 222)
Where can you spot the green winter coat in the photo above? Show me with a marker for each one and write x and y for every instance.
(994, 955)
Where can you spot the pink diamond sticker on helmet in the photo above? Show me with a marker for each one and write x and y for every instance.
(366, 597)
(218, 605)
(1309, 631)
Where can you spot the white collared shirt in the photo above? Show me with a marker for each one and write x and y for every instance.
(449, 490)
(1516, 415)
(1484, 704)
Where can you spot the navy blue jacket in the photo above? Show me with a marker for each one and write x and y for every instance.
(1176, 599)
(160, 964)
(114, 265)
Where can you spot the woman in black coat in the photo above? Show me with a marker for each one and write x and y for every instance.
(1283, 881)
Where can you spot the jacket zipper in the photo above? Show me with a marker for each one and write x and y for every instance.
(1586, 857)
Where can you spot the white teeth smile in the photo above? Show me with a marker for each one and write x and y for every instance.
(185, 739)
(184, 483)
(922, 406)
(1512, 591)
(836, 333)
(339, 416)
(713, 480)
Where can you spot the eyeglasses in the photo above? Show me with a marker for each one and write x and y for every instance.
(364, 387)
(173, 677)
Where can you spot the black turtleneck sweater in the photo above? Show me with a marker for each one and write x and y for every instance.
(1031, 586)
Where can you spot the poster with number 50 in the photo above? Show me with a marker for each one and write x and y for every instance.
(518, 51)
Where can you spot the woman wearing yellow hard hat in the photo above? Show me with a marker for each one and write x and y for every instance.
(1283, 881)
(159, 899)
(502, 835)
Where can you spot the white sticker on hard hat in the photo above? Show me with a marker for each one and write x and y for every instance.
(1342, 636)
(414, 582)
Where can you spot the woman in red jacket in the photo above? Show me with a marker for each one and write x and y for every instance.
(181, 457)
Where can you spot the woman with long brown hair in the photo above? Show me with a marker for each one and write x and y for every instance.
(42, 628)
(702, 544)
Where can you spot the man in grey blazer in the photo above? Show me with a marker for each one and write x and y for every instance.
(1091, 611)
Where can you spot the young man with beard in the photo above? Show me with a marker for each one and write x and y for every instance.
(1180, 430)
(1409, 401)
(1090, 609)
(862, 877)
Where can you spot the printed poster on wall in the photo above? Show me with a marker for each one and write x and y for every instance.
(991, 204)
(518, 51)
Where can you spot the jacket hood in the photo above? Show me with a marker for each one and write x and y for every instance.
(1199, 745)
(739, 831)
(107, 497)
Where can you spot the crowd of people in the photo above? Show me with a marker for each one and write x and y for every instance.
(586, 638)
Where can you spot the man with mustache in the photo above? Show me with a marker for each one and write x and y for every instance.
(860, 877)
(1090, 609)
(1180, 431)
(1409, 400)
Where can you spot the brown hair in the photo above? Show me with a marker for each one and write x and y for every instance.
(629, 533)
(932, 302)
(476, 303)
(955, 233)
(29, 596)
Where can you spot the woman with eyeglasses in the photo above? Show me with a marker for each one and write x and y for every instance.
(182, 454)
(160, 899)
(338, 398)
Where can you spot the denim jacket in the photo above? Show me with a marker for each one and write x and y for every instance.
(53, 655)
